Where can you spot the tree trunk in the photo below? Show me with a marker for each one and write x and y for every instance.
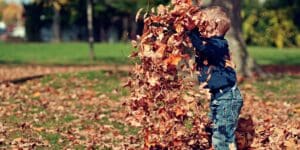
(246, 66)
(33, 23)
(56, 25)
(91, 28)
(125, 22)
(134, 26)
(103, 34)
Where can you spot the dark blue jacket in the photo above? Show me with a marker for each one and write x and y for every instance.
(215, 52)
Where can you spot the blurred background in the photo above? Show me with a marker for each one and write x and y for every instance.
(57, 32)
(265, 22)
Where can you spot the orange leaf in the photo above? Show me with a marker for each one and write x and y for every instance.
(153, 81)
(173, 60)
(161, 50)
(179, 28)
(138, 14)
(161, 10)
(179, 111)
(36, 94)
(134, 43)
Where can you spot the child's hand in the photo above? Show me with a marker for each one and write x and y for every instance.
(204, 91)
(208, 29)
(189, 25)
(229, 63)
(195, 38)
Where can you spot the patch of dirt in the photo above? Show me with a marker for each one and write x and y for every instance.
(277, 69)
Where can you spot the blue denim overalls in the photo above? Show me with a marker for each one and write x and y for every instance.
(224, 114)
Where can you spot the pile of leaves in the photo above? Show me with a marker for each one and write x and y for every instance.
(163, 101)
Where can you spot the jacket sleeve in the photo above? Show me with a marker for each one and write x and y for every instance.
(214, 46)
(197, 40)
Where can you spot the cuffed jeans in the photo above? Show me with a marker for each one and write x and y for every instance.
(224, 114)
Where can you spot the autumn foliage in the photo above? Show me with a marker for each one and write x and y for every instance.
(163, 102)
(12, 13)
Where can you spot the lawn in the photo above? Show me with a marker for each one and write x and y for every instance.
(63, 53)
(273, 56)
(116, 53)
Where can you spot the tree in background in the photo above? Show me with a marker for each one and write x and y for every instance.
(12, 14)
(268, 23)
(245, 64)
(272, 23)
(56, 6)
(33, 23)
(129, 8)
(91, 28)
(2, 5)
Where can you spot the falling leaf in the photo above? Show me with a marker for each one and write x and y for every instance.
(179, 28)
(290, 144)
(161, 50)
(134, 43)
(138, 14)
(161, 10)
(153, 81)
(173, 60)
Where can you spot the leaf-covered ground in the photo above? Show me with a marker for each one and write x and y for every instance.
(63, 111)
(84, 110)
(23, 72)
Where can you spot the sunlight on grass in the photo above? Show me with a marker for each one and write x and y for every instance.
(279, 88)
(114, 54)
(273, 56)
(63, 53)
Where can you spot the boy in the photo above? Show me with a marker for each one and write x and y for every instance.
(213, 63)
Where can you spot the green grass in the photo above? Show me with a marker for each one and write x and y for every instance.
(63, 53)
(278, 88)
(53, 138)
(116, 53)
(273, 56)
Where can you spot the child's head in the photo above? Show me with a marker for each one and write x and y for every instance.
(215, 20)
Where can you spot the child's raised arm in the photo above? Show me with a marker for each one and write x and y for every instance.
(197, 39)
(212, 47)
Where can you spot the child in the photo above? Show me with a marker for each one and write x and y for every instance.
(213, 63)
